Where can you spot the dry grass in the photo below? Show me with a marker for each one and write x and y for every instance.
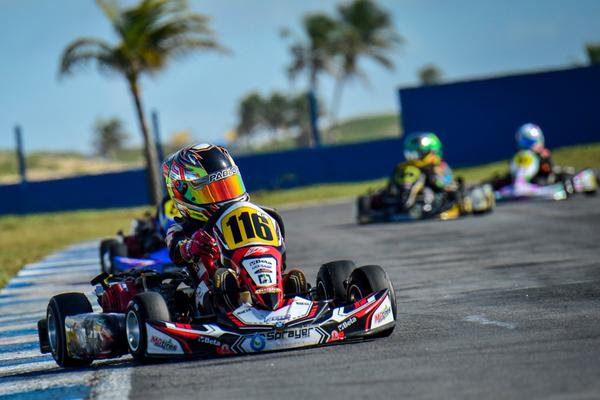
(25, 239)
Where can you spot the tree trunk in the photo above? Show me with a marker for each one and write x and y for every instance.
(154, 179)
(335, 105)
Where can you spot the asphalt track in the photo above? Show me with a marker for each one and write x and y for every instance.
(502, 306)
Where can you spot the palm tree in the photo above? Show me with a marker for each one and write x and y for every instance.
(150, 33)
(313, 56)
(430, 74)
(364, 31)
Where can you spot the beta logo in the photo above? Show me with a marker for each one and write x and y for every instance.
(257, 342)
(346, 324)
(165, 344)
(380, 316)
(209, 340)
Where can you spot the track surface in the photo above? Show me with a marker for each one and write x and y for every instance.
(501, 306)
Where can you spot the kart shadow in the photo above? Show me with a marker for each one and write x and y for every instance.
(218, 360)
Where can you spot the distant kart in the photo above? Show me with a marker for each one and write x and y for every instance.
(144, 247)
(415, 201)
(562, 185)
(255, 306)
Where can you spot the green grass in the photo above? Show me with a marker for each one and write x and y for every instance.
(26, 239)
(365, 128)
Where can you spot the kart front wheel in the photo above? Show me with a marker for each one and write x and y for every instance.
(331, 280)
(60, 307)
(146, 306)
(366, 280)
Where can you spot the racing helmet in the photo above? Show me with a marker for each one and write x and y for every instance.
(201, 178)
(530, 137)
(420, 145)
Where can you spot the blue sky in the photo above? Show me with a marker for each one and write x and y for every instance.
(200, 93)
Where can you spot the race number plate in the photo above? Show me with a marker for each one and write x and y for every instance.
(245, 224)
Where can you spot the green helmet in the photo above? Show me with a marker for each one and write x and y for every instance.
(419, 145)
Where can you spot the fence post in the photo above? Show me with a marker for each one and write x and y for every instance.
(314, 117)
(20, 154)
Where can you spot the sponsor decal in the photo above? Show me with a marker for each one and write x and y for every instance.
(361, 302)
(264, 279)
(165, 344)
(224, 349)
(257, 342)
(346, 323)
(256, 263)
(268, 290)
(244, 311)
(255, 251)
(300, 333)
(209, 340)
(380, 316)
(335, 336)
(275, 318)
(217, 176)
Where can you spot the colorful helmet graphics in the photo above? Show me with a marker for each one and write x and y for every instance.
(530, 137)
(201, 178)
(419, 145)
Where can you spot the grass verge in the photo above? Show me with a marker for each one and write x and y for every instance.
(25, 239)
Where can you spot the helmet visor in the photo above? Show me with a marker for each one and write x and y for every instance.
(224, 189)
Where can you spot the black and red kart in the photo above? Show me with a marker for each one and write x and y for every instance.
(255, 306)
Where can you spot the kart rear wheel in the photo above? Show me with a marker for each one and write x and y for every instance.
(331, 280)
(369, 279)
(59, 307)
(109, 249)
(146, 306)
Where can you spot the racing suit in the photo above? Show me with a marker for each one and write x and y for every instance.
(191, 246)
(528, 166)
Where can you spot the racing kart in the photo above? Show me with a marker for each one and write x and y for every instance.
(562, 183)
(411, 199)
(144, 247)
(254, 305)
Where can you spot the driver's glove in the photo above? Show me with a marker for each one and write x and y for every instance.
(200, 246)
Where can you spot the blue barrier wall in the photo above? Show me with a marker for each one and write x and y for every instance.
(118, 189)
(476, 120)
(288, 169)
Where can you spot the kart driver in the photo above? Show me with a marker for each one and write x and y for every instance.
(424, 151)
(532, 163)
(198, 197)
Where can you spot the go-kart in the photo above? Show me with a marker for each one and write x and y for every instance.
(144, 247)
(411, 199)
(560, 185)
(253, 305)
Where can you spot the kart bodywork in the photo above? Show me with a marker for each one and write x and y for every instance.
(248, 305)
(585, 181)
(412, 200)
(144, 246)
(301, 323)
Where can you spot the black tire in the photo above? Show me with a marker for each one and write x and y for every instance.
(109, 249)
(145, 306)
(331, 280)
(59, 307)
(366, 280)
(295, 283)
